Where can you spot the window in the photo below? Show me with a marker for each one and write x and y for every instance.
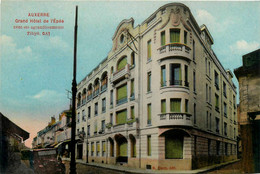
(98, 148)
(217, 125)
(121, 94)
(207, 92)
(111, 118)
(103, 125)
(207, 119)
(185, 37)
(103, 148)
(186, 83)
(112, 70)
(92, 149)
(163, 76)
(225, 109)
(194, 113)
(121, 63)
(162, 38)
(163, 106)
(132, 95)
(149, 113)
(88, 130)
(195, 145)
(149, 78)
(78, 117)
(234, 133)
(206, 64)
(132, 112)
(104, 105)
(209, 68)
(174, 35)
(96, 109)
(175, 105)
(225, 128)
(224, 89)
(216, 80)
(234, 101)
(121, 117)
(132, 58)
(96, 128)
(149, 145)
(226, 148)
(210, 121)
(209, 146)
(173, 146)
(186, 105)
(175, 74)
(194, 81)
(193, 53)
(77, 131)
(89, 112)
(111, 98)
(217, 102)
(149, 50)
(218, 147)
(83, 115)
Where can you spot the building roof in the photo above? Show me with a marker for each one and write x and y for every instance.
(251, 64)
(7, 126)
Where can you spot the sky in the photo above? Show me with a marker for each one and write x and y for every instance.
(36, 71)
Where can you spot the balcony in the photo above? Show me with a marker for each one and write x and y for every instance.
(174, 49)
(96, 92)
(176, 82)
(103, 88)
(89, 97)
(121, 101)
(129, 125)
(121, 74)
(176, 119)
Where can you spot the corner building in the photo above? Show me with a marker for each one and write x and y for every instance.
(160, 100)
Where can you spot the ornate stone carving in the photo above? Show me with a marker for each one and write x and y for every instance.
(175, 15)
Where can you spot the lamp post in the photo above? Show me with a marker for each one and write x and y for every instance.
(74, 91)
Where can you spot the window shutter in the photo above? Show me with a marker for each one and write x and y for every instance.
(121, 64)
(121, 117)
(123, 149)
(122, 92)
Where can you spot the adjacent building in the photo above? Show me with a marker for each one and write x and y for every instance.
(248, 76)
(160, 99)
(56, 135)
(12, 139)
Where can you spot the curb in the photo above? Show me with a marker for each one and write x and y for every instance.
(143, 171)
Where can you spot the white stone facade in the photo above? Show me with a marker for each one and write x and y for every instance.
(177, 78)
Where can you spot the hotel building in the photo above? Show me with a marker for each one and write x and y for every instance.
(160, 100)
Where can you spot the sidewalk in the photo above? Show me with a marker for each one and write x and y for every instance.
(93, 168)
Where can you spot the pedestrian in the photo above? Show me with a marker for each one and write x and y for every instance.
(61, 165)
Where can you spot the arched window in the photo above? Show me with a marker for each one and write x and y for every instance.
(84, 95)
(89, 91)
(104, 81)
(174, 144)
(96, 87)
(121, 63)
(79, 99)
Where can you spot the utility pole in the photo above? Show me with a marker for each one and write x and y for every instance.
(74, 91)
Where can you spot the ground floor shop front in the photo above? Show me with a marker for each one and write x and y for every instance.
(158, 149)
